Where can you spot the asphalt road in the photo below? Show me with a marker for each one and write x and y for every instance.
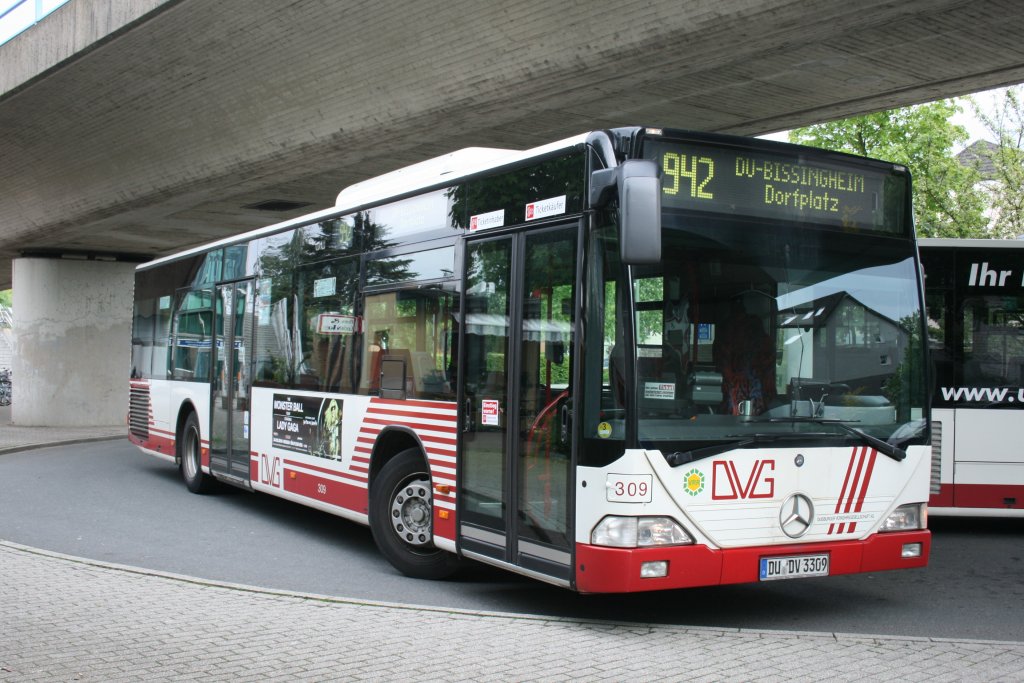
(110, 502)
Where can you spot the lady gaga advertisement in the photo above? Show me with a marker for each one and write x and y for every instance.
(308, 425)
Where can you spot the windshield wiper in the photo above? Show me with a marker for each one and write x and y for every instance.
(681, 458)
(884, 447)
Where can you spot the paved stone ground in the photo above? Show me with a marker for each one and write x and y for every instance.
(68, 619)
(18, 438)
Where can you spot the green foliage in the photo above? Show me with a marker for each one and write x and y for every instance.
(650, 323)
(947, 201)
(1006, 124)
(7, 297)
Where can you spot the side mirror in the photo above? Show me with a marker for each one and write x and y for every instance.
(639, 190)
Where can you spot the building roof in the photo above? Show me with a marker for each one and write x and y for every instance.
(979, 155)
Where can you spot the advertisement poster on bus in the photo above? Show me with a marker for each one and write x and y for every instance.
(308, 424)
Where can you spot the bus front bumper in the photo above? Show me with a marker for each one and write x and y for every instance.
(621, 570)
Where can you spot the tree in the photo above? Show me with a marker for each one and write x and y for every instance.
(947, 199)
(1005, 170)
(6, 297)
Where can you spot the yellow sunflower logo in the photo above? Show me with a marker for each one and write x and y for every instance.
(694, 482)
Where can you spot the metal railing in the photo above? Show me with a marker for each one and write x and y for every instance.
(19, 15)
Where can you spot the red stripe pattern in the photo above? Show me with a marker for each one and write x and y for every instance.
(855, 487)
(434, 423)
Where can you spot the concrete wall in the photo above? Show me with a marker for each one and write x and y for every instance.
(73, 342)
(70, 32)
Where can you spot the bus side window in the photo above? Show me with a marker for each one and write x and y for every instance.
(416, 328)
(193, 330)
(326, 296)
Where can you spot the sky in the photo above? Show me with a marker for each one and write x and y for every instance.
(989, 100)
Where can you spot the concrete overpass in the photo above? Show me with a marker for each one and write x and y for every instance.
(132, 131)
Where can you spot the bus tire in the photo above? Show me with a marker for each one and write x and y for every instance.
(190, 449)
(401, 516)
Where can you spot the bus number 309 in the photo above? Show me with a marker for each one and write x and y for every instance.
(629, 488)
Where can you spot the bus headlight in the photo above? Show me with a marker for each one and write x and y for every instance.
(907, 517)
(639, 532)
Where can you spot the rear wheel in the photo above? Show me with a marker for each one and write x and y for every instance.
(190, 450)
(401, 518)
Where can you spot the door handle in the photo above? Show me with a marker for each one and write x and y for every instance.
(566, 420)
(467, 416)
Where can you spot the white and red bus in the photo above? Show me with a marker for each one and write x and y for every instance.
(636, 359)
(974, 292)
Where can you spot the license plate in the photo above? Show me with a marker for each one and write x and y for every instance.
(793, 567)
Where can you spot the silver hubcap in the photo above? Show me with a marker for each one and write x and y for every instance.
(411, 511)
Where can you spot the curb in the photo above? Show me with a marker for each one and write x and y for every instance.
(4, 450)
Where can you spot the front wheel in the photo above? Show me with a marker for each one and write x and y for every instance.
(401, 518)
(190, 449)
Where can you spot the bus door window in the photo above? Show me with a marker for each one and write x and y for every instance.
(545, 403)
(242, 335)
(486, 353)
(193, 331)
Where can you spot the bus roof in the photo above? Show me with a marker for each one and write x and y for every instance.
(971, 242)
(429, 172)
(447, 169)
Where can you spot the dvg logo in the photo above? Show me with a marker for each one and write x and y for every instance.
(796, 515)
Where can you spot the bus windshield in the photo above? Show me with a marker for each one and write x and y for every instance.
(753, 328)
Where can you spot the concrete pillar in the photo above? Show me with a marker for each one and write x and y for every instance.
(72, 336)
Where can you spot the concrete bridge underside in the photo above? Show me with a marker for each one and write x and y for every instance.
(151, 126)
(142, 127)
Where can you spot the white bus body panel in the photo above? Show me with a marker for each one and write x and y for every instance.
(736, 499)
(989, 436)
(980, 450)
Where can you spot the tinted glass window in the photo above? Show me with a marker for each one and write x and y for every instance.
(410, 344)
(193, 332)
(328, 329)
(431, 264)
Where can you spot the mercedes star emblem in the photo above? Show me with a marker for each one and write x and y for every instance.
(796, 515)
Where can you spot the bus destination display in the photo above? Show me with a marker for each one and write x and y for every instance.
(749, 181)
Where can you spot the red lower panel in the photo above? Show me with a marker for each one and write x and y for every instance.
(617, 570)
(326, 490)
(998, 496)
(155, 442)
(444, 523)
(166, 445)
(942, 499)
